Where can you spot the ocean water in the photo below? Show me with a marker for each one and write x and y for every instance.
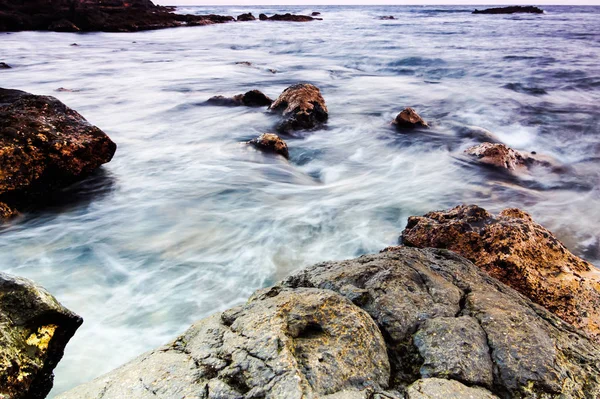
(186, 221)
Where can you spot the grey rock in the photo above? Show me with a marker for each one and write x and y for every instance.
(436, 388)
(34, 330)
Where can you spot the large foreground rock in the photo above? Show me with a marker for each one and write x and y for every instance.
(34, 330)
(44, 146)
(516, 250)
(407, 323)
(302, 107)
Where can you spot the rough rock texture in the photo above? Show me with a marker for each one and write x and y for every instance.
(44, 146)
(288, 17)
(501, 156)
(269, 142)
(94, 15)
(6, 212)
(246, 17)
(511, 10)
(34, 330)
(284, 343)
(409, 119)
(302, 107)
(303, 339)
(519, 252)
(253, 98)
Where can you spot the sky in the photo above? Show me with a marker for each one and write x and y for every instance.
(377, 2)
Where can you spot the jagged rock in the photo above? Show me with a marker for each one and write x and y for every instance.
(511, 10)
(6, 212)
(253, 98)
(63, 25)
(302, 107)
(519, 252)
(501, 156)
(409, 119)
(269, 142)
(34, 330)
(44, 146)
(286, 17)
(4, 65)
(246, 17)
(436, 388)
(283, 343)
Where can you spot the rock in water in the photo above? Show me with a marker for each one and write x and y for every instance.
(302, 107)
(44, 146)
(499, 155)
(270, 142)
(63, 25)
(263, 17)
(291, 18)
(246, 17)
(253, 98)
(519, 252)
(409, 119)
(367, 328)
(34, 330)
(511, 10)
(4, 65)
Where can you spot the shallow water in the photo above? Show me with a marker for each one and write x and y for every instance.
(186, 221)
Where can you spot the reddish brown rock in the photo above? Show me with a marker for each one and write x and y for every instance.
(519, 252)
(252, 98)
(269, 142)
(501, 156)
(6, 212)
(44, 146)
(302, 107)
(409, 119)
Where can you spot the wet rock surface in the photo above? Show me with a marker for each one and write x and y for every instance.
(271, 143)
(253, 98)
(34, 330)
(302, 107)
(246, 17)
(513, 248)
(409, 119)
(511, 10)
(287, 17)
(4, 65)
(89, 15)
(501, 156)
(366, 328)
(44, 147)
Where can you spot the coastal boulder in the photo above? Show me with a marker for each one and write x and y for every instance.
(34, 330)
(302, 107)
(4, 65)
(409, 119)
(246, 17)
(501, 156)
(44, 146)
(519, 252)
(283, 343)
(511, 10)
(263, 17)
(253, 98)
(269, 142)
(287, 17)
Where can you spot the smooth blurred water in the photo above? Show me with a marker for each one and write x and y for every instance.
(186, 221)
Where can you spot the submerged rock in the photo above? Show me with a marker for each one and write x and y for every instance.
(519, 252)
(34, 330)
(366, 328)
(409, 119)
(302, 107)
(252, 98)
(44, 146)
(246, 17)
(510, 10)
(501, 156)
(269, 142)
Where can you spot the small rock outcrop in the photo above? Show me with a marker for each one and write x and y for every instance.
(511, 10)
(287, 17)
(246, 17)
(406, 323)
(34, 330)
(501, 156)
(263, 17)
(252, 98)
(519, 252)
(315, 14)
(269, 142)
(302, 107)
(387, 18)
(44, 146)
(409, 119)
(4, 65)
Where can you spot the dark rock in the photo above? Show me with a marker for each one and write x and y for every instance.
(63, 25)
(519, 252)
(74, 44)
(287, 17)
(302, 107)
(510, 10)
(64, 90)
(44, 146)
(252, 98)
(409, 119)
(387, 18)
(315, 14)
(263, 17)
(302, 339)
(246, 17)
(93, 15)
(269, 142)
(34, 330)
(4, 65)
(501, 156)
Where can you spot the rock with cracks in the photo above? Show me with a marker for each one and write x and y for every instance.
(34, 330)
(302, 107)
(271, 143)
